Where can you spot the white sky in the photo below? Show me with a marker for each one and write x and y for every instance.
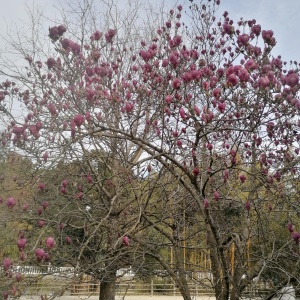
(283, 17)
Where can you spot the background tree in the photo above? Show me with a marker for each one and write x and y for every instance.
(204, 100)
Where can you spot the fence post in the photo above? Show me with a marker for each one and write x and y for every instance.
(151, 287)
(174, 289)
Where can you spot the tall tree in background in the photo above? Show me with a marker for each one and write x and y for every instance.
(202, 100)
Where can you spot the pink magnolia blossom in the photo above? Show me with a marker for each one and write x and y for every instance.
(232, 80)
(263, 82)
(39, 210)
(45, 204)
(129, 107)
(227, 28)
(66, 43)
(225, 175)
(79, 195)
(221, 106)
(18, 277)
(248, 205)
(292, 80)
(61, 226)
(243, 39)
(90, 72)
(243, 75)
(10, 202)
(206, 85)
(169, 99)
(13, 290)
(243, 178)
(21, 243)
(176, 83)
(40, 254)
(197, 110)
(63, 190)
(79, 120)
(251, 64)
(295, 236)
(89, 179)
(50, 242)
(89, 94)
(41, 186)
(18, 130)
(45, 156)
(41, 223)
(179, 143)
(168, 111)
(182, 113)
(61, 29)
(196, 75)
(2, 96)
(7, 83)
(5, 295)
(205, 203)
(256, 29)
(177, 40)
(217, 93)
(291, 227)
(56, 32)
(51, 62)
(25, 207)
(267, 36)
(47, 257)
(96, 36)
(209, 146)
(257, 51)
(196, 171)
(125, 240)
(6, 263)
(75, 48)
(109, 35)
(64, 183)
(88, 116)
(53, 33)
(216, 195)
(68, 240)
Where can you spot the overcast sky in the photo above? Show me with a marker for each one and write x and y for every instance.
(283, 17)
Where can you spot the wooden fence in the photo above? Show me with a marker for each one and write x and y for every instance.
(86, 287)
(49, 285)
(63, 282)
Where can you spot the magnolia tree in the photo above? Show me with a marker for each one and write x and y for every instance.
(205, 102)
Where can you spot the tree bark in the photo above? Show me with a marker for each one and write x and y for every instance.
(181, 278)
(108, 286)
(220, 285)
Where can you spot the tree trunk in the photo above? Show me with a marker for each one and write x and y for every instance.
(217, 280)
(181, 277)
(183, 286)
(234, 293)
(220, 285)
(240, 268)
(108, 286)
